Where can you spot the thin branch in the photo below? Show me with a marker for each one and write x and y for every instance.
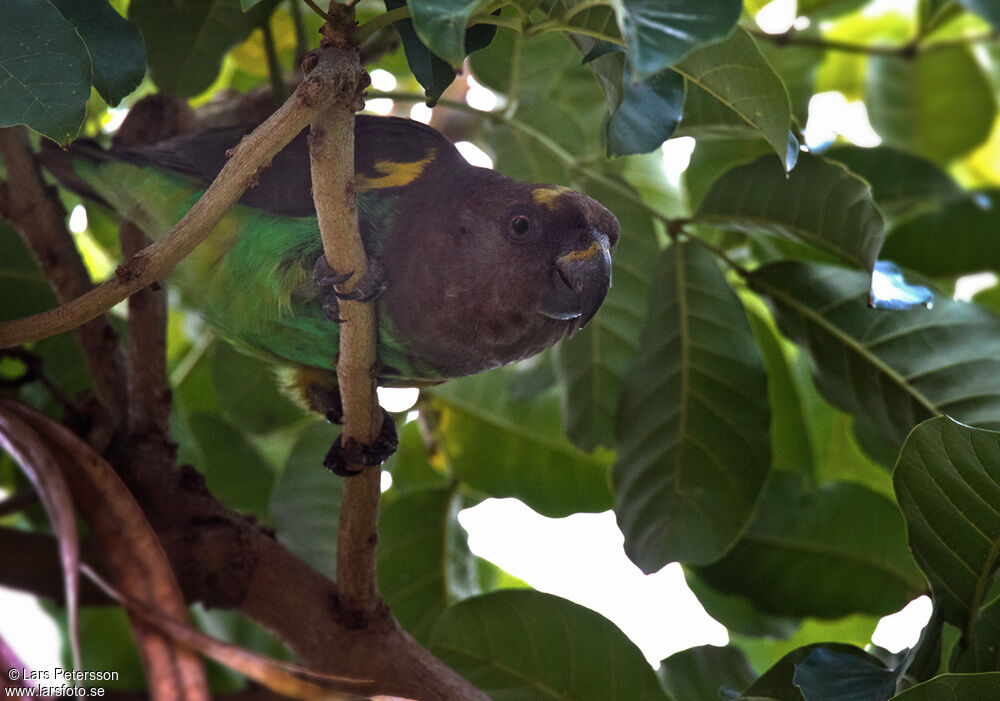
(38, 215)
(251, 155)
(331, 155)
(148, 387)
(908, 50)
(279, 90)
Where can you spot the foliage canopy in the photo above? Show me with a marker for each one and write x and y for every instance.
(751, 401)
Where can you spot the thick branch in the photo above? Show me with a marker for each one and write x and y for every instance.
(252, 154)
(36, 212)
(331, 152)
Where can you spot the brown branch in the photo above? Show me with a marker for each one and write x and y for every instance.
(30, 562)
(331, 153)
(38, 215)
(252, 154)
(908, 50)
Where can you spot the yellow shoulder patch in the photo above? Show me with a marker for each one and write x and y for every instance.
(395, 174)
(546, 196)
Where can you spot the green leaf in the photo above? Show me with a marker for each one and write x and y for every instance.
(255, 406)
(510, 448)
(820, 203)
(979, 651)
(187, 40)
(22, 284)
(823, 552)
(776, 683)
(713, 157)
(410, 465)
(525, 645)
(738, 615)
(763, 652)
(735, 74)
(796, 66)
(591, 366)
(248, 4)
(913, 102)
(700, 673)
(305, 501)
(658, 32)
(431, 71)
(967, 687)
(693, 423)
(45, 71)
(441, 24)
(987, 9)
(115, 45)
(234, 471)
(947, 481)
(956, 240)
(893, 369)
(903, 185)
(648, 114)
(839, 674)
(422, 570)
(790, 446)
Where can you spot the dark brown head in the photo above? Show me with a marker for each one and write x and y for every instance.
(514, 267)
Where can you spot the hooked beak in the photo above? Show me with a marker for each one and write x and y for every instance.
(579, 282)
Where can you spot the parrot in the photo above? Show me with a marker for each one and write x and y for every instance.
(470, 270)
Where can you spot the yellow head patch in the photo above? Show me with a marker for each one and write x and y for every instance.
(394, 174)
(546, 196)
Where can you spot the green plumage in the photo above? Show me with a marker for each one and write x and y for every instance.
(481, 270)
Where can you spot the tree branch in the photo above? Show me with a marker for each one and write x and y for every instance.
(908, 50)
(38, 215)
(331, 153)
(152, 263)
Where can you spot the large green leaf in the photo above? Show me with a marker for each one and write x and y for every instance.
(820, 203)
(776, 683)
(956, 240)
(735, 74)
(914, 102)
(234, 471)
(421, 570)
(966, 687)
(980, 651)
(187, 39)
(903, 185)
(693, 424)
(824, 552)
(257, 406)
(441, 25)
(115, 45)
(525, 646)
(658, 32)
(510, 448)
(648, 114)
(790, 446)
(844, 674)
(591, 366)
(45, 70)
(305, 501)
(947, 481)
(893, 369)
(713, 157)
(431, 71)
(700, 673)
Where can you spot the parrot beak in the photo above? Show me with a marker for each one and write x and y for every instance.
(580, 280)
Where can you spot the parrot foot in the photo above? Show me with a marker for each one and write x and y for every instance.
(340, 456)
(370, 287)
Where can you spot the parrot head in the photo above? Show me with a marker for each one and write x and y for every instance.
(505, 268)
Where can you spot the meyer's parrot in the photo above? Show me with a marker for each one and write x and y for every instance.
(473, 270)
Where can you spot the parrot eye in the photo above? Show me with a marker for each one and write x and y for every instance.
(520, 225)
